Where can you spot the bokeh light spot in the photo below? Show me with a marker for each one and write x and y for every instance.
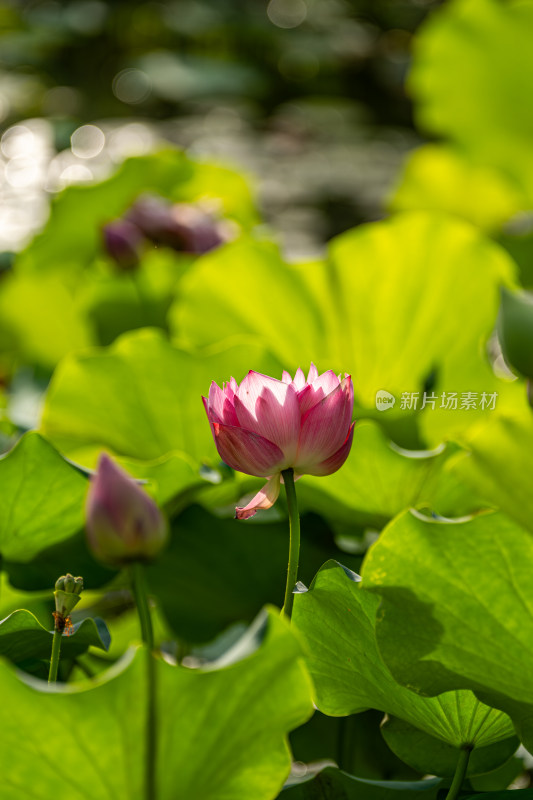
(132, 86)
(17, 141)
(287, 13)
(22, 171)
(87, 141)
(76, 173)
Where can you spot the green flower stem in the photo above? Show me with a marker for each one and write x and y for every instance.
(460, 773)
(140, 592)
(54, 659)
(294, 547)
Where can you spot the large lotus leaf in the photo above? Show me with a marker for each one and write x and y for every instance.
(337, 621)
(397, 301)
(457, 605)
(42, 499)
(437, 177)
(216, 572)
(498, 466)
(476, 97)
(379, 480)
(221, 731)
(22, 637)
(334, 784)
(141, 397)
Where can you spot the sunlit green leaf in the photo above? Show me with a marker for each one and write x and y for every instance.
(337, 619)
(457, 608)
(99, 729)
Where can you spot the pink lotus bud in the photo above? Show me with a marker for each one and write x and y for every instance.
(123, 522)
(122, 241)
(184, 227)
(265, 426)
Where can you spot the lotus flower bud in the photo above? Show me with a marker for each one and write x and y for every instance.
(199, 231)
(122, 241)
(516, 330)
(264, 426)
(123, 522)
(67, 594)
(186, 228)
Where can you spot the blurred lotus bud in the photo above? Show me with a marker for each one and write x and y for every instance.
(122, 241)
(67, 594)
(186, 228)
(515, 328)
(200, 231)
(123, 522)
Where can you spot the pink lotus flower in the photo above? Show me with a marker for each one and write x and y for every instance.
(123, 523)
(265, 426)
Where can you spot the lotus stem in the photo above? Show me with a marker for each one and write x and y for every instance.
(140, 592)
(294, 547)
